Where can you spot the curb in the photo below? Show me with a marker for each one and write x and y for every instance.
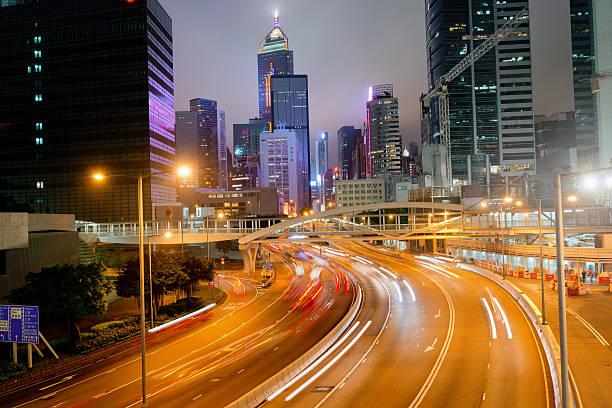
(259, 394)
(549, 343)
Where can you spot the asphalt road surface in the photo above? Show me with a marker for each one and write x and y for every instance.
(428, 335)
(213, 359)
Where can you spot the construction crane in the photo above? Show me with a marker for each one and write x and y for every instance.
(440, 87)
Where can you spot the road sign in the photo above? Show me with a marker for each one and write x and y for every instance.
(19, 324)
(268, 266)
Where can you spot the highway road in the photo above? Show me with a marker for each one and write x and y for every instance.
(214, 358)
(428, 335)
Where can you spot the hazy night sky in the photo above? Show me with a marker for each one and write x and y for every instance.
(344, 46)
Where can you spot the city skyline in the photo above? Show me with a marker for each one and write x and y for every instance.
(233, 82)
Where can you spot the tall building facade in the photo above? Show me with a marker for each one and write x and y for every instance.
(289, 94)
(274, 58)
(491, 103)
(322, 154)
(602, 15)
(209, 145)
(348, 138)
(222, 143)
(583, 61)
(246, 137)
(279, 165)
(86, 88)
(189, 133)
(384, 144)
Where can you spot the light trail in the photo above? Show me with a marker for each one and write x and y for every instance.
(180, 319)
(399, 292)
(388, 271)
(315, 364)
(506, 323)
(412, 295)
(328, 365)
(437, 271)
(491, 321)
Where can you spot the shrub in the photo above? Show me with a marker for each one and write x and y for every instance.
(9, 370)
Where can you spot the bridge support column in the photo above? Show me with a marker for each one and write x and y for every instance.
(249, 254)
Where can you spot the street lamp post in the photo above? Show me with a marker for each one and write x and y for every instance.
(150, 279)
(183, 171)
(541, 260)
(560, 240)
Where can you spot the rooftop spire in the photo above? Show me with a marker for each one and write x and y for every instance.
(275, 18)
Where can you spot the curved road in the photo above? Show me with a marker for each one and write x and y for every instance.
(436, 336)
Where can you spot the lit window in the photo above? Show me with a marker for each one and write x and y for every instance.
(38, 125)
(40, 184)
(37, 54)
(29, 69)
(38, 98)
(39, 140)
(37, 68)
(37, 39)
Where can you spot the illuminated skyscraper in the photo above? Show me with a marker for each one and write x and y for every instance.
(348, 139)
(289, 94)
(274, 58)
(223, 162)
(322, 154)
(209, 145)
(86, 87)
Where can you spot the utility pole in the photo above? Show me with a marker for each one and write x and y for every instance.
(541, 259)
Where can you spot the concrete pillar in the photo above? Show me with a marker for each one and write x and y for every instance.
(249, 254)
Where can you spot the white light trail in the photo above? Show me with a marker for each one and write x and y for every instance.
(412, 295)
(493, 328)
(313, 365)
(328, 365)
(180, 319)
(388, 271)
(399, 292)
(506, 323)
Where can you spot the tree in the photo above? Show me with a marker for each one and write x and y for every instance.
(224, 246)
(198, 269)
(66, 293)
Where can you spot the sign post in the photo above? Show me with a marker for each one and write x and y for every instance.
(19, 324)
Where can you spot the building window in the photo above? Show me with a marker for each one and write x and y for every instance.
(37, 54)
(39, 201)
(40, 184)
(38, 98)
(37, 68)
(39, 140)
(29, 69)
(38, 125)
(37, 39)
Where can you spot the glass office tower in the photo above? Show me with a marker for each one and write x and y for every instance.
(84, 87)
(209, 145)
(274, 58)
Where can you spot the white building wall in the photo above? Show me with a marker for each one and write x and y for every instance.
(602, 21)
(359, 192)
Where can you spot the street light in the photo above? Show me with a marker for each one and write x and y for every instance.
(484, 204)
(572, 198)
(508, 199)
(181, 172)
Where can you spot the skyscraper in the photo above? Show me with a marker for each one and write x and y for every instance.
(279, 165)
(602, 15)
(223, 168)
(583, 60)
(274, 58)
(491, 103)
(348, 138)
(86, 88)
(209, 145)
(322, 154)
(289, 95)
(246, 137)
(188, 147)
(384, 145)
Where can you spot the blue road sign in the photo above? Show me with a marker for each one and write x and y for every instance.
(268, 266)
(19, 324)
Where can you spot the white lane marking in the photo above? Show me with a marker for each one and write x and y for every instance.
(242, 370)
(316, 363)
(196, 397)
(443, 351)
(577, 393)
(586, 324)
(484, 396)
(117, 388)
(429, 348)
(343, 380)
(399, 292)
(328, 365)
(438, 315)
(412, 295)
(70, 377)
(491, 320)
(505, 319)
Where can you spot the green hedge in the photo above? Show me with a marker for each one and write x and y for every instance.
(9, 370)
